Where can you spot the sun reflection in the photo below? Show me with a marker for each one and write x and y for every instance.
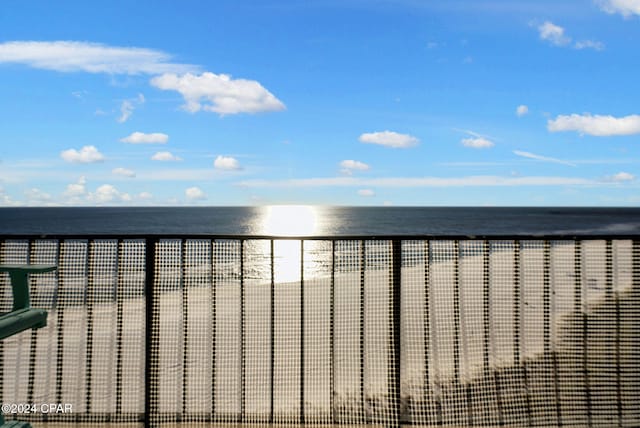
(290, 220)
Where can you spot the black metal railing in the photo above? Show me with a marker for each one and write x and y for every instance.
(421, 330)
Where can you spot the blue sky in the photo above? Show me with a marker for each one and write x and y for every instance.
(333, 102)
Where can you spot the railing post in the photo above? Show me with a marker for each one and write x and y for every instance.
(150, 365)
(396, 302)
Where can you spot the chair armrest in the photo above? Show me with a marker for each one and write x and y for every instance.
(19, 275)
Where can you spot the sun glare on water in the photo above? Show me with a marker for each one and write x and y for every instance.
(290, 220)
(286, 221)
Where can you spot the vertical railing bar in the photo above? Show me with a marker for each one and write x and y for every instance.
(2, 297)
(486, 327)
(362, 326)
(242, 336)
(546, 258)
(522, 359)
(580, 309)
(456, 312)
(426, 316)
(396, 303)
(457, 328)
(616, 300)
(635, 284)
(517, 352)
(33, 344)
(119, 322)
(550, 269)
(272, 328)
(496, 376)
(438, 381)
(89, 297)
(3, 244)
(467, 386)
(332, 365)
(214, 326)
(151, 355)
(185, 327)
(302, 415)
(59, 325)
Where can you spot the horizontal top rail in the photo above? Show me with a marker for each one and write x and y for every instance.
(493, 237)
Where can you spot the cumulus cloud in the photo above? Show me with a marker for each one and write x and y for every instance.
(124, 172)
(597, 125)
(541, 158)
(142, 138)
(165, 157)
(226, 163)
(522, 110)
(145, 196)
(195, 194)
(477, 143)
(553, 34)
(621, 177)
(219, 93)
(625, 8)
(366, 192)
(37, 197)
(108, 193)
(87, 154)
(6, 200)
(76, 189)
(72, 56)
(389, 139)
(349, 166)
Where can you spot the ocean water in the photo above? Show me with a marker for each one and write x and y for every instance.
(320, 220)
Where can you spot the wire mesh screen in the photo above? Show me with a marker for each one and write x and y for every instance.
(437, 332)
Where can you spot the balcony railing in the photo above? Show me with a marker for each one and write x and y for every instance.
(389, 331)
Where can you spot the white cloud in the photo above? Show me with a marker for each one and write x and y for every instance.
(128, 106)
(621, 177)
(195, 194)
(87, 154)
(123, 172)
(349, 166)
(142, 138)
(478, 181)
(145, 196)
(37, 197)
(389, 139)
(6, 200)
(541, 158)
(76, 189)
(625, 8)
(226, 163)
(554, 34)
(522, 110)
(72, 56)
(126, 110)
(108, 193)
(165, 157)
(477, 143)
(366, 192)
(589, 44)
(597, 125)
(219, 93)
